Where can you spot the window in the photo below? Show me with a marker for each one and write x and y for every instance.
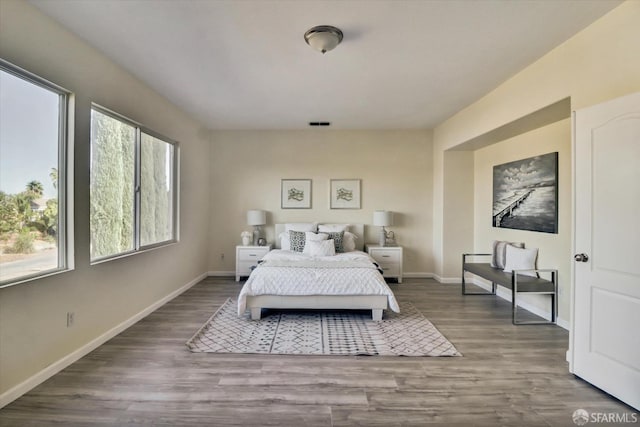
(133, 187)
(113, 144)
(33, 147)
(156, 190)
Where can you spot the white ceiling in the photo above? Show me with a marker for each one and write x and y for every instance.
(402, 64)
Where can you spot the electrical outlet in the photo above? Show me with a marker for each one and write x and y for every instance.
(221, 257)
(71, 317)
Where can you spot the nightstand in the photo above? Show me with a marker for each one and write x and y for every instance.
(248, 257)
(389, 258)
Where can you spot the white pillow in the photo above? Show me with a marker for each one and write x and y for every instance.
(349, 242)
(499, 254)
(313, 237)
(320, 247)
(332, 228)
(301, 226)
(285, 243)
(520, 259)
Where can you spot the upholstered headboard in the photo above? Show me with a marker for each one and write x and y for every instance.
(357, 229)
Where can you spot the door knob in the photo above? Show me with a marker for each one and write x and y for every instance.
(581, 257)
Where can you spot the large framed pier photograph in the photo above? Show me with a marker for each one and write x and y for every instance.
(525, 194)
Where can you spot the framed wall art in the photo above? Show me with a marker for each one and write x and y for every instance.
(525, 194)
(296, 194)
(345, 194)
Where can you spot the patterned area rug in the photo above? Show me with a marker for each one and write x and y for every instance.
(334, 332)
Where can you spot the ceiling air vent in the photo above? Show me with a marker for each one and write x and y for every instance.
(319, 123)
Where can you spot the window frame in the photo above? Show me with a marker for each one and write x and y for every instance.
(175, 183)
(65, 224)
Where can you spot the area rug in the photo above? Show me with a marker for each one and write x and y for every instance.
(319, 332)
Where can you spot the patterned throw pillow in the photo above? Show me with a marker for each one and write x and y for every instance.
(338, 237)
(297, 240)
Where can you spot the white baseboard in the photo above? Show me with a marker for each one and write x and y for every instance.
(447, 280)
(417, 275)
(37, 379)
(405, 275)
(506, 294)
(564, 324)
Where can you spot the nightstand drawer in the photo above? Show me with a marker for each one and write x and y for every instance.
(251, 254)
(390, 270)
(385, 255)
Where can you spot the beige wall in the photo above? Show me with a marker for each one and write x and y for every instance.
(553, 248)
(394, 166)
(458, 202)
(597, 64)
(33, 332)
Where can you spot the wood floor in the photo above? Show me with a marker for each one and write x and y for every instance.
(508, 375)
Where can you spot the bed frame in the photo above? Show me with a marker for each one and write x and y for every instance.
(375, 303)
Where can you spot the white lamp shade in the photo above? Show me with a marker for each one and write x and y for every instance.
(256, 217)
(383, 218)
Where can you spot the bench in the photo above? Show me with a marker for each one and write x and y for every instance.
(517, 282)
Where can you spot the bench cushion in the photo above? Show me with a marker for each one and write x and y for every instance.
(525, 283)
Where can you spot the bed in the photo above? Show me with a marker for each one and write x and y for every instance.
(293, 280)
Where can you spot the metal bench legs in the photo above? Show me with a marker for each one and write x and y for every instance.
(464, 289)
(554, 301)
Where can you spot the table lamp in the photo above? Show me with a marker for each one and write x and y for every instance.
(383, 219)
(257, 218)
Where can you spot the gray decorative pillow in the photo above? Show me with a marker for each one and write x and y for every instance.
(498, 258)
(297, 240)
(338, 238)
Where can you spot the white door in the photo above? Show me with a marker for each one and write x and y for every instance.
(606, 299)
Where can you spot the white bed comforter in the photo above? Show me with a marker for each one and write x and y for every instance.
(293, 273)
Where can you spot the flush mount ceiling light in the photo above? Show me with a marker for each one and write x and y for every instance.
(323, 37)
